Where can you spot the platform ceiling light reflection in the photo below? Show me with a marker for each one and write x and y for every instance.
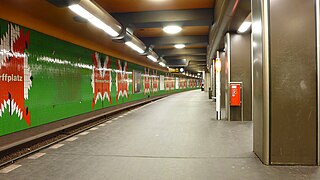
(66, 62)
(93, 20)
(179, 46)
(6, 53)
(173, 29)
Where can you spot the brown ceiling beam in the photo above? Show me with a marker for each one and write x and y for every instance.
(148, 19)
(171, 40)
(171, 52)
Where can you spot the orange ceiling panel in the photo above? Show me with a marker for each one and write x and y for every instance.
(187, 30)
(58, 22)
(152, 5)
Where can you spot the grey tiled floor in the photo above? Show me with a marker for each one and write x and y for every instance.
(174, 138)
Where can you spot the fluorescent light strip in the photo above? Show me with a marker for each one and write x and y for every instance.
(134, 47)
(162, 64)
(244, 27)
(93, 20)
(101, 25)
(152, 58)
(80, 11)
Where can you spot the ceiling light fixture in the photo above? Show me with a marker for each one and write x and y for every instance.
(77, 9)
(134, 47)
(172, 29)
(179, 46)
(245, 25)
(99, 24)
(80, 11)
(152, 58)
(162, 64)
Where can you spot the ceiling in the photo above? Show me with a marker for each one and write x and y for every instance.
(145, 17)
(46, 18)
(148, 17)
(122, 6)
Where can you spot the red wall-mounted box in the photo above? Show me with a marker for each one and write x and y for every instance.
(235, 94)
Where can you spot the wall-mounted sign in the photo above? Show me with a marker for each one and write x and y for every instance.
(174, 70)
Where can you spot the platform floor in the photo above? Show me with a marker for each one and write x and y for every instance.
(173, 138)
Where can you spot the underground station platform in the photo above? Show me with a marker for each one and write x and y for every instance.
(172, 138)
(159, 89)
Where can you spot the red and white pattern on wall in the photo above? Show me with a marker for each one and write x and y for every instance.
(15, 73)
(101, 80)
(155, 81)
(194, 83)
(169, 81)
(182, 83)
(172, 81)
(146, 80)
(166, 81)
(190, 83)
(122, 80)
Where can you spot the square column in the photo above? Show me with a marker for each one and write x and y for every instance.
(284, 69)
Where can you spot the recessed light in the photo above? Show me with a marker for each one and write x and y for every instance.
(244, 27)
(172, 29)
(179, 46)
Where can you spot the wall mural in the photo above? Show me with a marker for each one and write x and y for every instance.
(155, 81)
(170, 82)
(15, 74)
(122, 80)
(146, 81)
(101, 78)
(44, 79)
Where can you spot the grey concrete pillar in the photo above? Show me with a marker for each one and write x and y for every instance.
(284, 69)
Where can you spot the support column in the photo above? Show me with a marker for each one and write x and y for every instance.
(218, 87)
(284, 69)
(238, 47)
(207, 83)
